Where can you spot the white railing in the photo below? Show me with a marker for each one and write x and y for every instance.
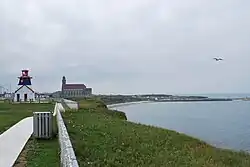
(67, 154)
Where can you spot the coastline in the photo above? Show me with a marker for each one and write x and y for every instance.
(111, 106)
(112, 135)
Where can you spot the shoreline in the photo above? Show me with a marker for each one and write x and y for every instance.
(111, 106)
(196, 100)
(116, 132)
(167, 101)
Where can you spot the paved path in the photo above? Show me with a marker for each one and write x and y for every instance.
(71, 104)
(13, 140)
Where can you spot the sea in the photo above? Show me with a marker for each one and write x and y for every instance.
(224, 124)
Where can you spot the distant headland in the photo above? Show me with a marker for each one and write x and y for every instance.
(114, 99)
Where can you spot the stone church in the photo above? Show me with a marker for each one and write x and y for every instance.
(74, 90)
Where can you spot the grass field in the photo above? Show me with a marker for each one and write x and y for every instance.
(42, 153)
(102, 138)
(12, 113)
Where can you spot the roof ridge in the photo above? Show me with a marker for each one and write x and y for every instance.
(74, 84)
(27, 87)
(30, 88)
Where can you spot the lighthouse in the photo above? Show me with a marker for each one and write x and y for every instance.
(24, 93)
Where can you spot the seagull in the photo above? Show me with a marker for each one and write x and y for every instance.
(218, 59)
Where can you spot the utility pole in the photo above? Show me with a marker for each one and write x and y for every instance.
(10, 88)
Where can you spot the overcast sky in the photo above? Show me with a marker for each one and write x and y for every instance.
(131, 46)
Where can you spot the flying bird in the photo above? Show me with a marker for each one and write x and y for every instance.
(218, 59)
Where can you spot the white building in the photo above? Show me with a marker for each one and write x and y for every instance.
(24, 94)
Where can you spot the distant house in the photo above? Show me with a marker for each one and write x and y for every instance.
(74, 90)
(8, 95)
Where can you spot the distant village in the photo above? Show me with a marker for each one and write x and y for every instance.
(25, 93)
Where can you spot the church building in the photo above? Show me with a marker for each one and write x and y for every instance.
(24, 93)
(74, 90)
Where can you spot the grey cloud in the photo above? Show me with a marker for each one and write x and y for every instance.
(128, 46)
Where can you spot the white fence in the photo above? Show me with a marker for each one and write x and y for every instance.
(67, 154)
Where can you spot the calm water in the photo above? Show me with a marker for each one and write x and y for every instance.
(222, 95)
(222, 124)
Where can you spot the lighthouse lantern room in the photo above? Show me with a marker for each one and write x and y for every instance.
(24, 93)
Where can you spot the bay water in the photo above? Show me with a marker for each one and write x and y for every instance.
(221, 124)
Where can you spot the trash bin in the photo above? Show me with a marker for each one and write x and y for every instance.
(42, 125)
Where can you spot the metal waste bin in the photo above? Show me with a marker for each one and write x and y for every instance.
(42, 125)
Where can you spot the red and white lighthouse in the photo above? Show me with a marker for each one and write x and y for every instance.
(24, 93)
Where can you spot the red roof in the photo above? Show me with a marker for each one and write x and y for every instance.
(74, 86)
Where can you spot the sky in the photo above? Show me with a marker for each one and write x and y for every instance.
(127, 47)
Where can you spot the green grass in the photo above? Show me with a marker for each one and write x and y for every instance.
(104, 139)
(10, 114)
(42, 153)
